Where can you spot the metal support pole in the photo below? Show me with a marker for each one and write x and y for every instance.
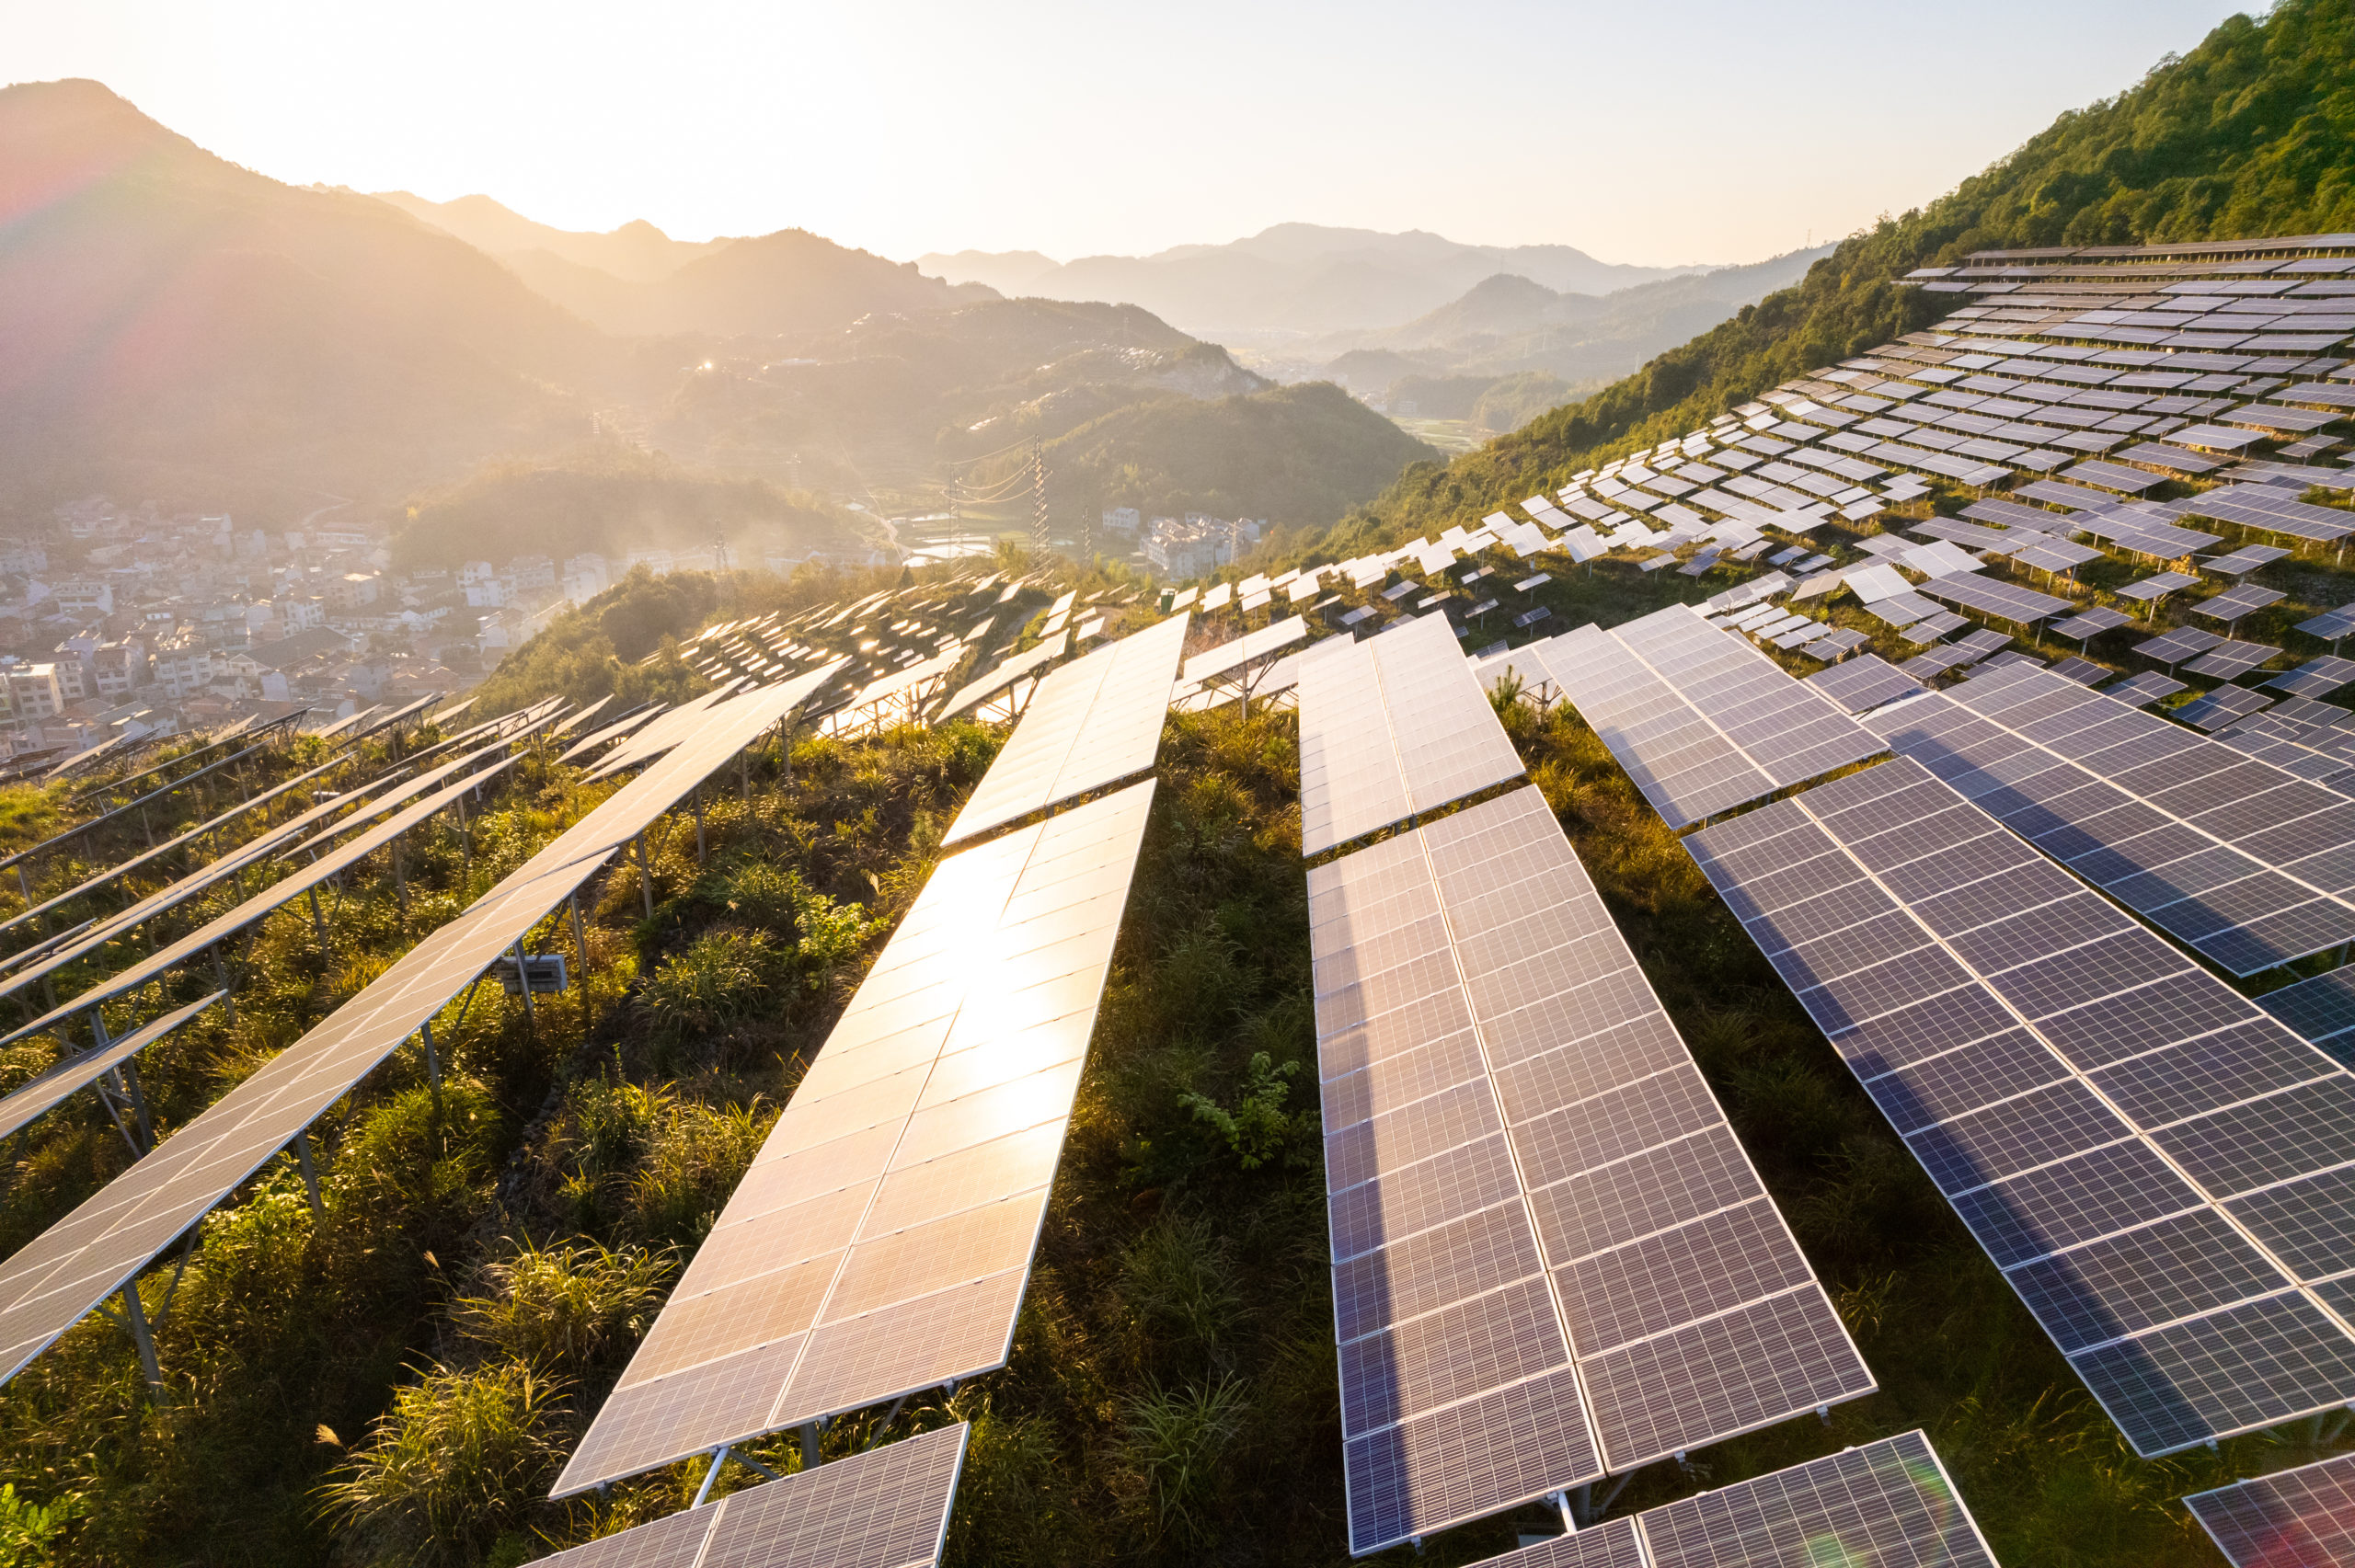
(432, 1065)
(310, 1176)
(523, 981)
(644, 876)
(700, 841)
(129, 1073)
(719, 1457)
(319, 921)
(810, 1446)
(580, 955)
(135, 1317)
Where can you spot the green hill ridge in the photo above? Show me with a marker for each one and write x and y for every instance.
(2252, 134)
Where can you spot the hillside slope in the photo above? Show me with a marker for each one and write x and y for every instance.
(792, 280)
(1294, 277)
(2251, 133)
(637, 252)
(166, 315)
(1292, 454)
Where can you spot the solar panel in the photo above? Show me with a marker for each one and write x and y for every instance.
(886, 1507)
(52, 1281)
(2165, 1175)
(2322, 1009)
(1092, 723)
(1701, 722)
(1886, 1504)
(2229, 660)
(2004, 600)
(1021, 667)
(2141, 691)
(2184, 642)
(2237, 601)
(2223, 707)
(53, 1084)
(1534, 1195)
(2315, 677)
(2089, 623)
(881, 1240)
(1391, 727)
(2240, 861)
(1227, 658)
(2294, 1517)
(2084, 671)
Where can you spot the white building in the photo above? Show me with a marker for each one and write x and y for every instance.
(1122, 520)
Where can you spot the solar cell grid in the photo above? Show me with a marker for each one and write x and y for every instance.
(886, 1507)
(1562, 1204)
(2092, 1164)
(2185, 832)
(911, 1164)
(1700, 722)
(1887, 1503)
(2300, 1516)
(1091, 722)
(1390, 728)
(53, 1280)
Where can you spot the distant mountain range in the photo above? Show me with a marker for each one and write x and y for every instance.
(1291, 280)
(175, 327)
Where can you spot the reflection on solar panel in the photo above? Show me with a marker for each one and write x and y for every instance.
(2315, 677)
(1389, 728)
(885, 1508)
(1552, 1260)
(2289, 1519)
(1094, 722)
(2240, 861)
(52, 1282)
(1865, 682)
(1701, 722)
(1021, 667)
(881, 1240)
(2165, 1175)
(1888, 1505)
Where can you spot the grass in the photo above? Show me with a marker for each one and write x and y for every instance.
(396, 1380)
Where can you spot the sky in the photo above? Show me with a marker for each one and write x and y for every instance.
(1703, 131)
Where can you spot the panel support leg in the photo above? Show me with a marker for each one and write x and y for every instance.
(810, 1459)
(719, 1457)
(220, 982)
(135, 1317)
(699, 836)
(432, 1065)
(645, 876)
(310, 1176)
(319, 921)
(581, 957)
(524, 980)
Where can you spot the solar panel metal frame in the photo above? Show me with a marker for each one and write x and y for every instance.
(51, 1283)
(1477, 1008)
(1091, 722)
(2082, 776)
(1390, 728)
(802, 1302)
(1675, 699)
(2086, 1098)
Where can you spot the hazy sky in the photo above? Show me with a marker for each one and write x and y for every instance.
(1655, 133)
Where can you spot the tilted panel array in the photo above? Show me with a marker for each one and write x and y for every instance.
(2245, 864)
(51, 1085)
(52, 1282)
(1551, 1258)
(1390, 728)
(1095, 722)
(885, 1508)
(2165, 1175)
(2297, 1518)
(881, 1240)
(2322, 1009)
(1887, 1505)
(1702, 721)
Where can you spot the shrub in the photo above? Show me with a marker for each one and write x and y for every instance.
(28, 1530)
(1174, 1442)
(694, 1160)
(722, 977)
(1258, 1129)
(574, 1303)
(455, 1461)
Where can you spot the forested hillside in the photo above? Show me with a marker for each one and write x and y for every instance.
(2251, 133)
